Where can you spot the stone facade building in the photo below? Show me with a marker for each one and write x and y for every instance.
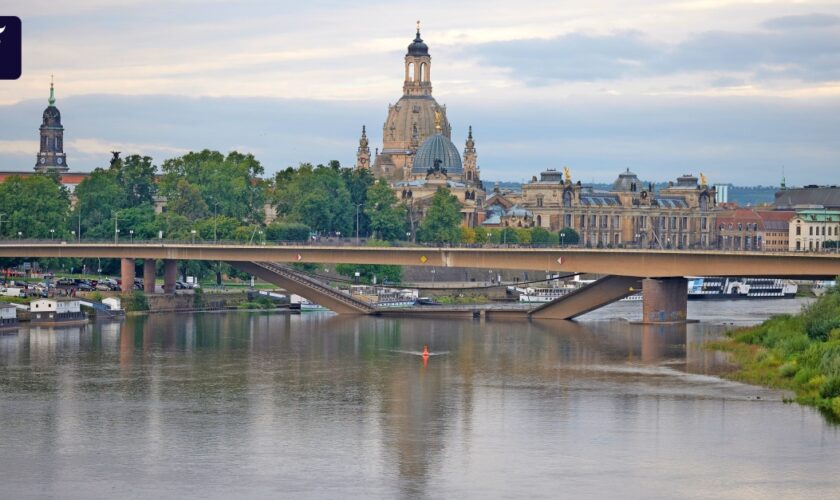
(749, 229)
(630, 214)
(415, 117)
(810, 229)
(418, 156)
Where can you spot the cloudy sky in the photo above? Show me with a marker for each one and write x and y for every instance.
(738, 90)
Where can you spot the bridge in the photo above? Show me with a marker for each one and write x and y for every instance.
(660, 273)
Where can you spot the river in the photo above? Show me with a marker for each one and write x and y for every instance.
(269, 405)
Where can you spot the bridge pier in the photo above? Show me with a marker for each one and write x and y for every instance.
(665, 300)
(170, 275)
(127, 273)
(149, 275)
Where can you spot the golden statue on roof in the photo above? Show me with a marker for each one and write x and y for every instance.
(438, 120)
(703, 180)
(567, 174)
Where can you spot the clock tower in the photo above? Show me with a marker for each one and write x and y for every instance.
(51, 157)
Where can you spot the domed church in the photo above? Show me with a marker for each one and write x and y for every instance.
(417, 154)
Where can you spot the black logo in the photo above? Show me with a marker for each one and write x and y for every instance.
(10, 48)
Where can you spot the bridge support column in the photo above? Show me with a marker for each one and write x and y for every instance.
(665, 300)
(170, 275)
(127, 272)
(149, 275)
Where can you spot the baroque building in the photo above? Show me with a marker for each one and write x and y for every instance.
(415, 117)
(417, 155)
(51, 156)
(630, 214)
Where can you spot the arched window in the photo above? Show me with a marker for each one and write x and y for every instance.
(567, 199)
(539, 221)
(424, 72)
(410, 72)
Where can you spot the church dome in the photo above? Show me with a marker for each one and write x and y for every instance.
(417, 47)
(627, 181)
(437, 149)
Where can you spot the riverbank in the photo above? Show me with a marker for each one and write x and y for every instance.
(795, 352)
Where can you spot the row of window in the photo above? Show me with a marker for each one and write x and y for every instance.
(751, 226)
(811, 245)
(811, 231)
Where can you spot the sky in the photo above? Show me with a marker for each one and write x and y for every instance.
(739, 90)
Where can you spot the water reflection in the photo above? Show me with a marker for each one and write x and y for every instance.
(184, 404)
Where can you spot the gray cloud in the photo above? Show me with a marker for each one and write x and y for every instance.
(572, 57)
(802, 21)
(804, 55)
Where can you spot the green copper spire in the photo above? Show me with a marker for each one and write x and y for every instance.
(52, 92)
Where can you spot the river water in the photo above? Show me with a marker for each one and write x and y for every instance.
(268, 405)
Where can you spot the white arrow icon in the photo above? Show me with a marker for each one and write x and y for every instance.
(2, 29)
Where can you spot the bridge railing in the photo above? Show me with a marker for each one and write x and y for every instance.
(342, 241)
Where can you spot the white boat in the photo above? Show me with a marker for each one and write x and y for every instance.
(304, 304)
(385, 297)
(717, 288)
(543, 295)
(633, 298)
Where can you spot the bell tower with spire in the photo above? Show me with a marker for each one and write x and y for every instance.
(51, 157)
(363, 153)
(418, 64)
(470, 160)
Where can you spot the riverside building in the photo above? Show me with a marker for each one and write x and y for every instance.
(630, 214)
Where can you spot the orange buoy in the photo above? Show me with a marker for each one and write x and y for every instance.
(425, 351)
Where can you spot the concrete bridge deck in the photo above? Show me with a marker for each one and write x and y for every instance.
(618, 262)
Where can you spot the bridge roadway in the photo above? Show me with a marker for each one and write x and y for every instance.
(617, 262)
(659, 273)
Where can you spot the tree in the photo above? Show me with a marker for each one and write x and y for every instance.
(367, 272)
(523, 235)
(36, 206)
(386, 215)
(443, 219)
(186, 200)
(541, 236)
(136, 176)
(509, 236)
(315, 196)
(569, 236)
(288, 231)
(358, 182)
(98, 197)
(383, 273)
(228, 185)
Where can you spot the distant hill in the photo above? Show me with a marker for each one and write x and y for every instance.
(750, 196)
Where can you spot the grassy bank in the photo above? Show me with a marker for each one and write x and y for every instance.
(800, 353)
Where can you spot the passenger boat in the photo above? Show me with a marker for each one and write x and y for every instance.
(543, 295)
(385, 297)
(717, 288)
